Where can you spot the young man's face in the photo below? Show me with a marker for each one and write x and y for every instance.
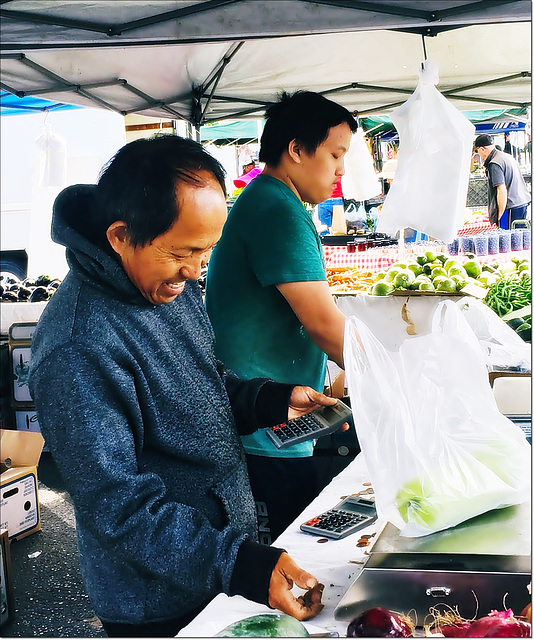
(316, 174)
(161, 268)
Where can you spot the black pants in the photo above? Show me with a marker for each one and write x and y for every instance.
(284, 487)
(166, 629)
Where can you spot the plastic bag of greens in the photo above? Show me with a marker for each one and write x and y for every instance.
(437, 449)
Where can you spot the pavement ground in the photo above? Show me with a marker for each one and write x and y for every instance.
(50, 600)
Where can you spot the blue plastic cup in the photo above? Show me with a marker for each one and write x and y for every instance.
(467, 244)
(481, 245)
(505, 241)
(493, 243)
(452, 247)
(526, 238)
(517, 239)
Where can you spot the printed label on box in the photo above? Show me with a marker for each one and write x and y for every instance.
(19, 506)
(21, 372)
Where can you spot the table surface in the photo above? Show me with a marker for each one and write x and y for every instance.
(335, 563)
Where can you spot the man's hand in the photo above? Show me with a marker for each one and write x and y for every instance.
(305, 399)
(285, 574)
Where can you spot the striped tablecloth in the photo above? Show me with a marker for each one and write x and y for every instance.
(472, 228)
(380, 259)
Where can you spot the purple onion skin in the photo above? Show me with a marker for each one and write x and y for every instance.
(491, 627)
(454, 630)
(378, 622)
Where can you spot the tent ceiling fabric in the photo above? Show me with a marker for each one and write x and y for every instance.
(212, 60)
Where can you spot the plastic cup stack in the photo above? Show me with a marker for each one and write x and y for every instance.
(493, 243)
(452, 247)
(505, 241)
(526, 238)
(516, 239)
(481, 244)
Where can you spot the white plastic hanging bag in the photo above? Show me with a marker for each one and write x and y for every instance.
(437, 449)
(429, 191)
(360, 181)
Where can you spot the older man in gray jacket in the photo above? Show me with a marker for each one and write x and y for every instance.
(142, 420)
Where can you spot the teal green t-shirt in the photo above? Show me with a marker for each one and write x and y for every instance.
(268, 239)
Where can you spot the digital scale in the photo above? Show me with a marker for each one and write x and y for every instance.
(479, 565)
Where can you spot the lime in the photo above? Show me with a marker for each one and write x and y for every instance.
(442, 258)
(391, 273)
(404, 278)
(473, 268)
(421, 260)
(416, 268)
(451, 262)
(438, 271)
(398, 265)
(438, 279)
(460, 282)
(426, 286)
(381, 288)
(457, 271)
(430, 256)
(447, 285)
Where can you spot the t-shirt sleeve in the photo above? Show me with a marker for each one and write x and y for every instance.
(496, 174)
(288, 248)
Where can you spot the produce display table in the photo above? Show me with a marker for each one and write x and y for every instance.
(380, 259)
(335, 563)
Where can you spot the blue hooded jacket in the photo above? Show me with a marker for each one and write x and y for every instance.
(144, 425)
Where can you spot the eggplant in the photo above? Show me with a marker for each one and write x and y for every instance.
(10, 296)
(54, 284)
(24, 293)
(43, 281)
(29, 282)
(39, 294)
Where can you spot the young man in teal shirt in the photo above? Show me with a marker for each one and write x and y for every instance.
(267, 294)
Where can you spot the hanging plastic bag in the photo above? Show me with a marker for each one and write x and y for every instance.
(355, 216)
(503, 348)
(360, 181)
(437, 449)
(429, 191)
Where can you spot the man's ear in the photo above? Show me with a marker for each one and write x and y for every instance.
(294, 150)
(118, 237)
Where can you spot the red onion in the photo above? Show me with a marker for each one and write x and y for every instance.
(499, 624)
(379, 622)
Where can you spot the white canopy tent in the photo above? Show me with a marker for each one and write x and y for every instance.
(206, 61)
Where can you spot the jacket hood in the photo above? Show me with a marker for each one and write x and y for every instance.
(86, 258)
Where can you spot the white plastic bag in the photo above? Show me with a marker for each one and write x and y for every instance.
(436, 446)
(429, 191)
(360, 181)
(503, 348)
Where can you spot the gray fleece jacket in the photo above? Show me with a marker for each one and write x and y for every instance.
(144, 425)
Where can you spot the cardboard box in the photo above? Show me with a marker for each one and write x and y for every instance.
(19, 504)
(7, 604)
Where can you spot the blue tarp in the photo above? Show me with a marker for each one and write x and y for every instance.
(12, 105)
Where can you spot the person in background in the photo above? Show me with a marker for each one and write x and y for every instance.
(267, 294)
(508, 194)
(325, 209)
(141, 419)
(509, 147)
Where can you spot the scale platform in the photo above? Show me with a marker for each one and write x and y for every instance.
(479, 565)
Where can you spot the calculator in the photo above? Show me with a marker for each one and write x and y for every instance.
(313, 425)
(350, 515)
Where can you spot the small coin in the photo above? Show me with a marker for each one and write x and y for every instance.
(367, 484)
(322, 540)
(366, 536)
(363, 544)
